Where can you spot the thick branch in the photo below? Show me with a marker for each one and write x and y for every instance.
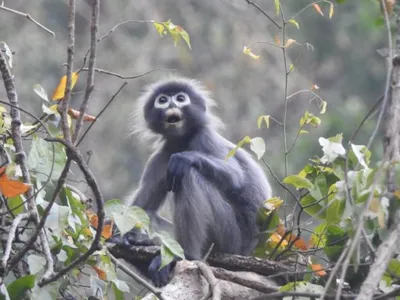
(145, 254)
(383, 256)
(12, 96)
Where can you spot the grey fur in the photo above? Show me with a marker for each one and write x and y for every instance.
(217, 199)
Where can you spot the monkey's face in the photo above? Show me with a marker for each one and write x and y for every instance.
(174, 112)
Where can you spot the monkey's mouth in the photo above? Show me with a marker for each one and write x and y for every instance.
(173, 118)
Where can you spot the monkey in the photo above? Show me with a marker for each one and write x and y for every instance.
(215, 199)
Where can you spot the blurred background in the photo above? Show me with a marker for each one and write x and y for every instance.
(344, 64)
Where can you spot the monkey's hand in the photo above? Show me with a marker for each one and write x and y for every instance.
(161, 277)
(179, 164)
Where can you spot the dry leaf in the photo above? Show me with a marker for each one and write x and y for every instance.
(11, 188)
(318, 269)
(59, 92)
(318, 8)
(102, 275)
(75, 115)
(107, 230)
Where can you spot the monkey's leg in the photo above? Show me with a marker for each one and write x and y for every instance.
(202, 217)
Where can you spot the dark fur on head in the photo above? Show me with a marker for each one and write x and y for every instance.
(145, 119)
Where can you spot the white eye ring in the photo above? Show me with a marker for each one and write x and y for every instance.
(162, 101)
(181, 99)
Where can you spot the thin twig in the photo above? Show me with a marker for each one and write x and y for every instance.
(92, 63)
(388, 77)
(264, 13)
(28, 16)
(101, 112)
(101, 71)
(120, 24)
(136, 277)
(11, 237)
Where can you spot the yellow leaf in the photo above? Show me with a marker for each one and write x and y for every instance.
(291, 67)
(289, 42)
(277, 6)
(331, 7)
(248, 52)
(294, 22)
(160, 29)
(318, 8)
(260, 119)
(273, 203)
(323, 107)
(303, 131)
(184, 35)
(275, 238)
(59, 92)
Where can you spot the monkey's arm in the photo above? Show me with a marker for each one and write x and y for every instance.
(225, 173)
(152, 190)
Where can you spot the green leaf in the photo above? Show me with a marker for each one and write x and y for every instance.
(394, 267)
(40, 159)
(302, 131)
(185, 37)
(36, 263)
(47, 292)
(160, 29)
(18, 288)
(318, 238)
(323, 107)
(16, 204)
(257, 145)
(118, 295)
(132, 217)
(334, 211)
(172, 245)
(260, 120)
(41, 92)
(114, 206)
(312, 207)
(332, 148)
(320, 188)
(362, 154)
(121, 285)
(277, 6)
(57, 219)
(294, 22)
(166, 256)
(231, 153)
(298, 181)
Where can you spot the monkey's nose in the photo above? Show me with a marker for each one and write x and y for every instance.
(173, 115)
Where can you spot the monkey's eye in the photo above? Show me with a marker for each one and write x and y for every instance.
(181, 99)
(162, 101)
